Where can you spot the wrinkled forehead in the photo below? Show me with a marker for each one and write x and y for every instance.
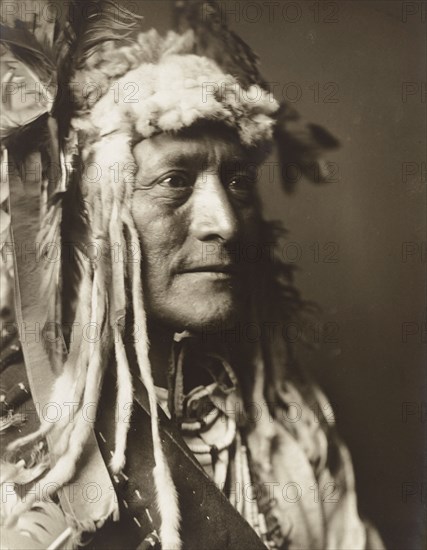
(203, 145)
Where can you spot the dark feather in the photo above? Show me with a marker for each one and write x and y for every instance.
(81, 29)
(104, 21)
(301, 146)
(215, 40)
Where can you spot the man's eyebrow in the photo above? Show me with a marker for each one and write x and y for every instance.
(171, 159)
(239, 161)
(198, 160)
(182, 158)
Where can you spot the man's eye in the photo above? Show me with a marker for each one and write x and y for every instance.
(175, 181)
(242, 183)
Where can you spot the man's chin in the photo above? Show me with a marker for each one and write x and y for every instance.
(209, 322)
(214, 312)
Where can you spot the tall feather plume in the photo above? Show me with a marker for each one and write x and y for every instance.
(299, 143)
(50, 54)
(101, 22)
(46, 46)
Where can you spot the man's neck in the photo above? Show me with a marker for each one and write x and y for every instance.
(161, 339)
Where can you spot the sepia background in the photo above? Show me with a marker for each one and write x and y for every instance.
(357, 68)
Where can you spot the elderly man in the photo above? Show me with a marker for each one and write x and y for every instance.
(171, 430)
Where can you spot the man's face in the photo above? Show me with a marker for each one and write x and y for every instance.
(195, 207)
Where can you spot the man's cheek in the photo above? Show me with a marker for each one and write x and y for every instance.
(249, 242)
(157, 239)
(250, 223)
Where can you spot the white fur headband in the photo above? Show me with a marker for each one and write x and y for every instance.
(157, 86)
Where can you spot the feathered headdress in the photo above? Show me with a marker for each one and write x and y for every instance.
(71, 60)
(299, 142)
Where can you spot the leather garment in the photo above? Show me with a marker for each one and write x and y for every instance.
(209, 521)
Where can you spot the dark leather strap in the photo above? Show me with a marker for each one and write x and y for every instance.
(209, 521)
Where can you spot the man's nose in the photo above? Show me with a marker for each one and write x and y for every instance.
(213, 215)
